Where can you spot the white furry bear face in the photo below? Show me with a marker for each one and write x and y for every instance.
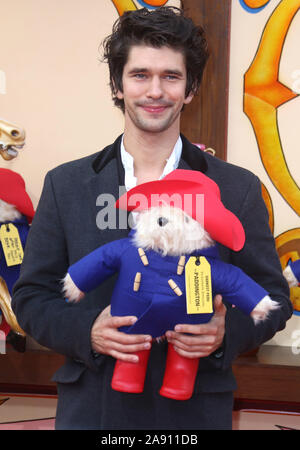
(170, 231)
(8, 212)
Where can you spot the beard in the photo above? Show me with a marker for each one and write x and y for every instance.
(153, 122)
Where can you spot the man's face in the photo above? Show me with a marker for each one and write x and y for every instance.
(154, 83)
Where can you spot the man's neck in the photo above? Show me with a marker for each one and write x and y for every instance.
(150, 152)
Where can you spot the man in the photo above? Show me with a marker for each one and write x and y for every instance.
(156, 59)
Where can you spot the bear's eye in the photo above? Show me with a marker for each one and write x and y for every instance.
(186, 219)
(162, 221)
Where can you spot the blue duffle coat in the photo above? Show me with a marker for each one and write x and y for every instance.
(156, 305)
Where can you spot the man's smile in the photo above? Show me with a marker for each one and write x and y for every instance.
(155, 109)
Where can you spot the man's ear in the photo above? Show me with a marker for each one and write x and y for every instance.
(119, 95)
(189, 98)
(118, 92)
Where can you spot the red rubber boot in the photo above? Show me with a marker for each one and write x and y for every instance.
(130, 377)
(180, 374)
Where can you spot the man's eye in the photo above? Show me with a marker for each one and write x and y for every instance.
(140, 76)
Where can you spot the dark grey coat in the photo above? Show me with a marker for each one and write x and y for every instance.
(65, 229)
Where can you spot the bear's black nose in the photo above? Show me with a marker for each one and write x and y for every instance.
(162, 221)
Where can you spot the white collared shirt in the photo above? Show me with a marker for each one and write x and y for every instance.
(127, 161)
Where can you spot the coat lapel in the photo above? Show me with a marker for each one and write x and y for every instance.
(192, 158)
(105, 187)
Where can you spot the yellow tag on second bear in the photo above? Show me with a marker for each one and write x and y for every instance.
(11, 244)
(198, 286)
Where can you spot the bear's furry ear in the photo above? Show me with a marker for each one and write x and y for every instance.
(71, 291)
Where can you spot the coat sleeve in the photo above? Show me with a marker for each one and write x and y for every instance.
(236, 287)
(91, 270)
(37, 299)
(259, 260)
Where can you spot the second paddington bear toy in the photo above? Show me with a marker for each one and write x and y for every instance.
(169, 270)
(16, 214)
(292, 273)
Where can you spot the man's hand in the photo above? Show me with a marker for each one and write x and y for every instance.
(108, 340)
(200, 340)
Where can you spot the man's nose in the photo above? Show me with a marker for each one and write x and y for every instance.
(155, 88)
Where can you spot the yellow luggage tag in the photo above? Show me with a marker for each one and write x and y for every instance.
(11, 244)
(198, 286)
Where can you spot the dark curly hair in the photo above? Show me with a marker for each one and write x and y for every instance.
(164, 26)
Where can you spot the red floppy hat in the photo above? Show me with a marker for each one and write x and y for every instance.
(197, 195)
(12, 191)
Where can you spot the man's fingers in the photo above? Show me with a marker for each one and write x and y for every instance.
(124, 338)
(196, 329)
(111, 331)
(120, 321)
(124, 346)
(196, 354)
(190, 340)
(219, 307)
(107, 339)
(192, 346)
(197, 341)
(127, 348)
(126, 357)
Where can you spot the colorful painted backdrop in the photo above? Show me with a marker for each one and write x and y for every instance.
(53, 85)
(264, 107)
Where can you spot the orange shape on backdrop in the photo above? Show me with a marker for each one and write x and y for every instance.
(263, 94)
(124, 5)
(256, 3)
(155, 2)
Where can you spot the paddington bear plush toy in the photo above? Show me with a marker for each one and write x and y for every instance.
(292, 273)
(16, 214)
(169, 270)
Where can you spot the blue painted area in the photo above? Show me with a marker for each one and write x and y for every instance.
(252, 10)
(146, 5)
(297, 313)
